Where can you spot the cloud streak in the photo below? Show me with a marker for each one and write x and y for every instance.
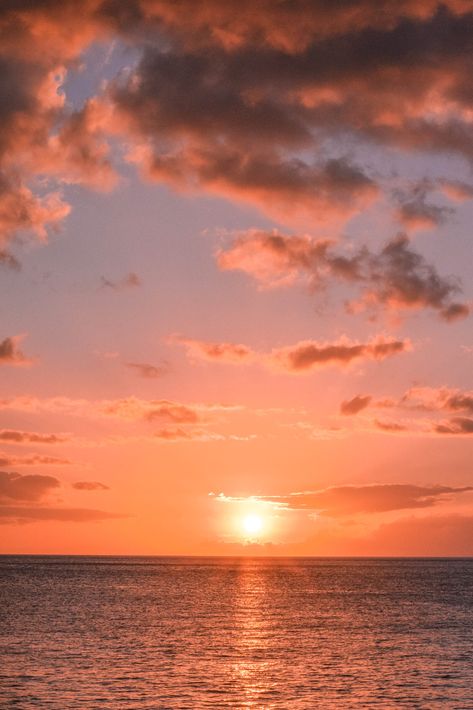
(15, 436)
(340, 501)
(299, 358)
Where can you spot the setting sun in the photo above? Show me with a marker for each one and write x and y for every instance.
(252, 524)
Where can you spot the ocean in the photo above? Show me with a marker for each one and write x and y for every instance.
(163, 632)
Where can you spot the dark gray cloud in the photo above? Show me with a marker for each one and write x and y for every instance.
(416, 212)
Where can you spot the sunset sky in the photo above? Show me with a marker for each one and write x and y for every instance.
(236, 266)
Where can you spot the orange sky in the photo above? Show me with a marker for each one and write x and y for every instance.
(235, 244)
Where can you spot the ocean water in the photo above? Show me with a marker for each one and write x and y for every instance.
(91, 632)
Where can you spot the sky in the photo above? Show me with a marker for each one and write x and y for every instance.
(236, 267)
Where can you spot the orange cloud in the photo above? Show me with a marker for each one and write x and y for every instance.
(456, 425)
(32, 460)
(29, 487)
(14, 436)
(90, 486)
(298, 358)
(376, 498)
(355, 405)
(420, 400)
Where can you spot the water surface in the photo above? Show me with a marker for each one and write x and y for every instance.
(134, 632)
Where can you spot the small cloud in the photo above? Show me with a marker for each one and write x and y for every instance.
(147, 371)
(90, 486)
(131, 280)
(390, 427)
(10, 353)
(355, 405)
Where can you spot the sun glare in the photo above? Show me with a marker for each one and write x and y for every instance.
(252, 524)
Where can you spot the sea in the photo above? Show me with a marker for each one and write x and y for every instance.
(175, 632)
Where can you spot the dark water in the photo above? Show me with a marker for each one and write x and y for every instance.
(227, 633)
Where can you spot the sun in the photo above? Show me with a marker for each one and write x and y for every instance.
(252, 524)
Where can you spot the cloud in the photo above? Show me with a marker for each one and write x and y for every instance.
(390, 427)
(90, 486)
(28, 487)
(415, 212)
(355, 405)
(397, 277)
(273, 105)
(131, 280)
(430, 399)
(456, 425)
(14, 436)
(241, 106)
(180, 434)
(128, 408)
(352, 500)
(309, 354)
(33, 488)
(8, 260)
(22, 211)
(301, 357)
(10, 353)
(147, 371)
(32, 460)
(417, 400)
(233, 353)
